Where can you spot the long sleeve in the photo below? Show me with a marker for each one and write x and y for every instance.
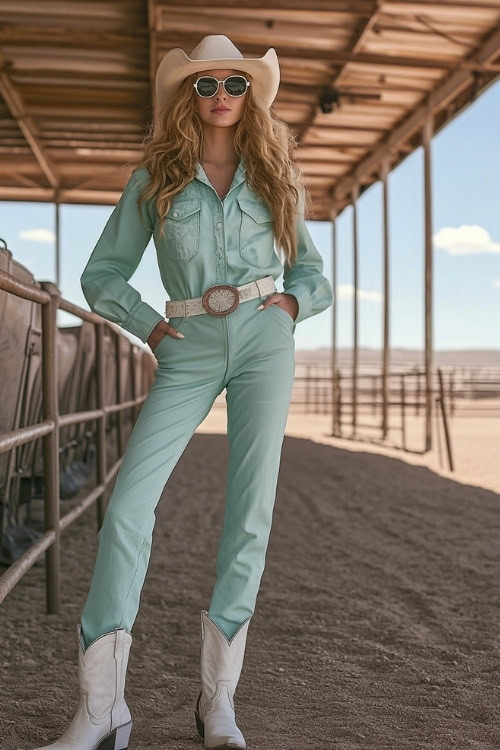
(114, 259)
(305, 280)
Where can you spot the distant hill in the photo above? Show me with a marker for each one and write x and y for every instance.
(398, 356)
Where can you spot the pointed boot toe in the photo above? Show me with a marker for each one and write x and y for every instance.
(102, 720)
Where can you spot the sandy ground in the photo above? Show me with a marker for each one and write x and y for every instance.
(377, 622)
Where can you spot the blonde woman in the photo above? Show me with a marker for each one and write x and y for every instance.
(217, 189)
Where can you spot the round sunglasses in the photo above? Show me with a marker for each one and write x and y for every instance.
(208, 86)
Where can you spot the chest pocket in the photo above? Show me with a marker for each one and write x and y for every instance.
(256, 232)
(182, 229)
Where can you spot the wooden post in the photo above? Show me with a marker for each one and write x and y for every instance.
(58, 240)
(437, 430)
(119, 394)
(308, 389)
(452, 392)
(385, 356)
(354, 197)
(445, 419)
(403, 411)
(334, 326)
(419, 393)
(427, 139)
(133, 374)
(50, 446)
(339, 401)
(101, 457)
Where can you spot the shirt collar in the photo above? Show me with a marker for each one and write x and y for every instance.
(239, 175)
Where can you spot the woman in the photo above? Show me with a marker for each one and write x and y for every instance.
(219, 188)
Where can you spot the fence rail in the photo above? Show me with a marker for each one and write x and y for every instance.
(49, 298)
(455, 391)
(313, 389)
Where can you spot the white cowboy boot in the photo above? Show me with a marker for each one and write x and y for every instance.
(221, 663)
(102, 720)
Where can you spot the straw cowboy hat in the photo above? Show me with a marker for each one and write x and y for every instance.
(216, 51)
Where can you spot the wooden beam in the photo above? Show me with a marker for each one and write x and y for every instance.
(15, 104)
(363, 28)
(448, 4)
(363, 7)
(358, 7)
(153, 61)
(438, 98)
(294, 51)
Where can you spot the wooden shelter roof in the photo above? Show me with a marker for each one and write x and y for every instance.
(358, 80)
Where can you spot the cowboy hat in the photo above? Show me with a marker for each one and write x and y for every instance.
(216, 51)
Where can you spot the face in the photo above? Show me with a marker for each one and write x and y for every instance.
(233, 105)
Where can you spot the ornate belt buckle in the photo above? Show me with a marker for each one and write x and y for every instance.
(220, 299)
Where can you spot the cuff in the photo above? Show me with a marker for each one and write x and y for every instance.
(142, 321)
(303, 297)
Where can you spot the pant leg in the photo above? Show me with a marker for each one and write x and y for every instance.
(258, 397)
(180, 398)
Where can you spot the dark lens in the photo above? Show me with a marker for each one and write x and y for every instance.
(206, 86)
(236, 85)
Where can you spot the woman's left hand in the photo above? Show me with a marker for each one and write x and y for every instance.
(287, 302)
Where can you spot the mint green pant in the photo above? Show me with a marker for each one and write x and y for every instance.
(251, 353)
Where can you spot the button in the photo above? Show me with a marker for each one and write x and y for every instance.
(175, 213)
(219, 225)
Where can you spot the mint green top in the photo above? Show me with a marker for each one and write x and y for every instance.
(207, 241)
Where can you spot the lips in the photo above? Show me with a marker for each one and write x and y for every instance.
(221, 109)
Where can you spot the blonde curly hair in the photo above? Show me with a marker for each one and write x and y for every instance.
(172, 151)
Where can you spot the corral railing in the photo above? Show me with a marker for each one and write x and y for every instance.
(48, 429)
(456, 391)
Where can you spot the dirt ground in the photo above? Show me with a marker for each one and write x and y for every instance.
(377, 622)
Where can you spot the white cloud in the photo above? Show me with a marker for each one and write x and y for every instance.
(496, 283)
(38, 235)
(467, 239)
(346, 292)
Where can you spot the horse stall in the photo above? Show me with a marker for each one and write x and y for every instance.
(128, 374)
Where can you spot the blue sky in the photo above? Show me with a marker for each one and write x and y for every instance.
(466, 242)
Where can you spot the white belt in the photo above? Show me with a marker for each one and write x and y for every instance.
(220, 299)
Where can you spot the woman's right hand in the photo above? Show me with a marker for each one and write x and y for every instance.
(162, 329)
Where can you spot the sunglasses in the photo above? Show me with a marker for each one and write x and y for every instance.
(208, 86)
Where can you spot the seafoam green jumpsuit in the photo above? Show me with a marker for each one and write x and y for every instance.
(249, 352)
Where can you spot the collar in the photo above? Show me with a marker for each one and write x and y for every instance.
(239, 175)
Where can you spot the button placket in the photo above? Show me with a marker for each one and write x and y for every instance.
(219, 253)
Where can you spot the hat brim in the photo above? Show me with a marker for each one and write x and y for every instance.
(176, 66)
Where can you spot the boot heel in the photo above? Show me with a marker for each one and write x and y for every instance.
(117, 739)
(122, 736)
(199, 724)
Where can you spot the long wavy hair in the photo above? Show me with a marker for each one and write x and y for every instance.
(173, 146)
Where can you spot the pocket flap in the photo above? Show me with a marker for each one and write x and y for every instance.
(181, 209)
(256, 209)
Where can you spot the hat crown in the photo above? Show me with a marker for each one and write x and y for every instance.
(216, 51)
(214, 47)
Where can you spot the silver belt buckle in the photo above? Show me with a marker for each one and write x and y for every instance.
(220, 299)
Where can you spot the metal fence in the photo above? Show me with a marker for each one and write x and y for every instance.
(48, 430)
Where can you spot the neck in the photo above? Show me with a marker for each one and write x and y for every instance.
(218, 146)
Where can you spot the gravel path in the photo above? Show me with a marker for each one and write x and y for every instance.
(377, 622)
